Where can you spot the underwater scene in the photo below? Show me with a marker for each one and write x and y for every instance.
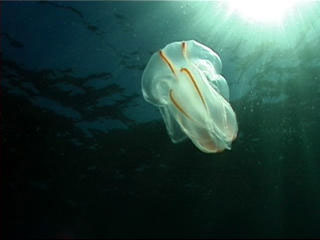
(160, 119)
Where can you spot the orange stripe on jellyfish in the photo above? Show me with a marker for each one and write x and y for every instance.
(167, 61)
(174, 101)
(185, 70)
(184, 49)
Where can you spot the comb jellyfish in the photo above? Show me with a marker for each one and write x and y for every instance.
(183, 80)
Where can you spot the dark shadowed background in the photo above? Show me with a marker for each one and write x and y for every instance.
(84, 156)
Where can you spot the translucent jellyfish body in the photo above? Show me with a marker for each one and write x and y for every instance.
(183, 80)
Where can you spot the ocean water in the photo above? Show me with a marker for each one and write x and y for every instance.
(83, 155)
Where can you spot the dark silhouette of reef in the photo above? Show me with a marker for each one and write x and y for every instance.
(14, 43)
(75, 11)
(45, 84)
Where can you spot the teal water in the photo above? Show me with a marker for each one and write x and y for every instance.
(84, 156)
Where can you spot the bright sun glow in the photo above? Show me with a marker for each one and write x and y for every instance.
(262, 10)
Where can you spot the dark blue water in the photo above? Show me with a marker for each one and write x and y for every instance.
(84, 156)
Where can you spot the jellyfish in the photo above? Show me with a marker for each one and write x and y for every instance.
(183, 81)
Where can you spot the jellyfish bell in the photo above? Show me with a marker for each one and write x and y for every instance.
(183, 80)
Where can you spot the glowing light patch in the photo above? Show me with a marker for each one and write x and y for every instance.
(262, 10)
